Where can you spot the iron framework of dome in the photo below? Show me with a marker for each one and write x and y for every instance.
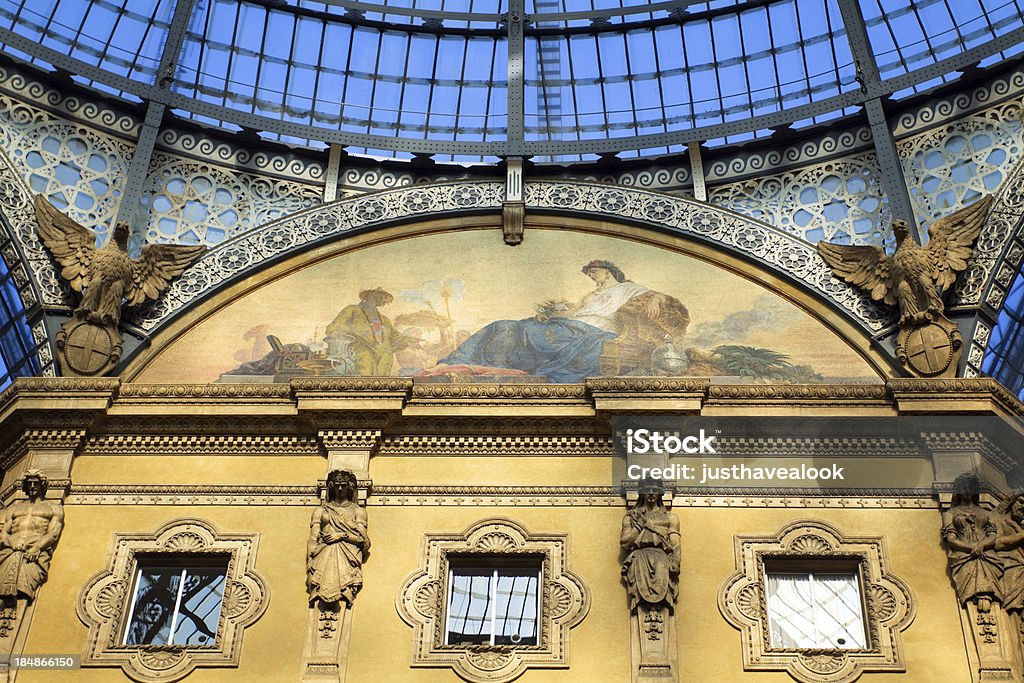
(480, 79)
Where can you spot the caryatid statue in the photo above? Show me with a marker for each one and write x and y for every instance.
(30, 533)
(650, 537)
(338, 543)
(970, 532)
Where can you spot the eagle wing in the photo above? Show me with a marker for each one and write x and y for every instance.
(156, 267)
(951, 240)
(73, 245)
(866, 267)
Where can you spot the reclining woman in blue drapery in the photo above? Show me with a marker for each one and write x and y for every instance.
(565, 344)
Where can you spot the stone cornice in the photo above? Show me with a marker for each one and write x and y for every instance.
(327, 403)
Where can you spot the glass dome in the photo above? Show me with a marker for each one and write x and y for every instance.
(478, 79)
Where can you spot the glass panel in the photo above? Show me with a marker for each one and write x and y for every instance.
(516, 607)
(156, 593)
(807, 611)
(199, 611)
(186, 599)
(469, 606)
(495, 606)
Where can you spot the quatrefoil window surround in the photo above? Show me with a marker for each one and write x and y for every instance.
(563, 600)
(808, 545)
(105, 601)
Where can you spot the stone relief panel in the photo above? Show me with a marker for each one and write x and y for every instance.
(839, 200)
(193, 202)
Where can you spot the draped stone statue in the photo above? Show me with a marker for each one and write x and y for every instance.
(650, 539)
(338, 541)
(978, 544)
(970, 532)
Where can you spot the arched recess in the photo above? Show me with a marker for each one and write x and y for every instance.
(318, 281)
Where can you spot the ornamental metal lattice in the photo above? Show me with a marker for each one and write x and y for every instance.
(837, 201)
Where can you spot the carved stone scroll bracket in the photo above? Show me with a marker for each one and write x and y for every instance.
(653, 634)
(50, 451)
(350, 449)
(890, 605)
(513, 207)
(15, 623)
(990, 629)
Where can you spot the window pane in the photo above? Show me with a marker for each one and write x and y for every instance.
(815, 611)
(199, 610)
(469, 606)
(497, 606)
(516, 613)
(187, 599)
(155, 596)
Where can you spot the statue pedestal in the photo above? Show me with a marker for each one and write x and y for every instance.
(15, 620)
(328, 632)
(654, 645)
(994, 641)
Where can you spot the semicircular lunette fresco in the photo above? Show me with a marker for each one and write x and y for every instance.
(464, 307)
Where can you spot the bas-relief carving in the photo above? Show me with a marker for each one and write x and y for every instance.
(985, 550)
(462, 307)
(108, 278)
(890, 605)
(916, 278)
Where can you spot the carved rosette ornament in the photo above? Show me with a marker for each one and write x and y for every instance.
(105, 599)
(916, 277)
(565, 601)
(889, 603)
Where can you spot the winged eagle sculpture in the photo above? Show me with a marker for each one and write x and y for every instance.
(916, 277)
(107, 276)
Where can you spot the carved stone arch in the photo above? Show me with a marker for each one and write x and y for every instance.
(783, 254)
(103, 602)
(771, 258)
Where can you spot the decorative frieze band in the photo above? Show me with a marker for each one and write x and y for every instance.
(497, 496)
(200, 444)
(560, 446)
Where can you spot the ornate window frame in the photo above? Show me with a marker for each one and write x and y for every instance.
(889, 604)
(565, 601)
(103, 602)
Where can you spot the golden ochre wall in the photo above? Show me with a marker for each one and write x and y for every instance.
(382, 644)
